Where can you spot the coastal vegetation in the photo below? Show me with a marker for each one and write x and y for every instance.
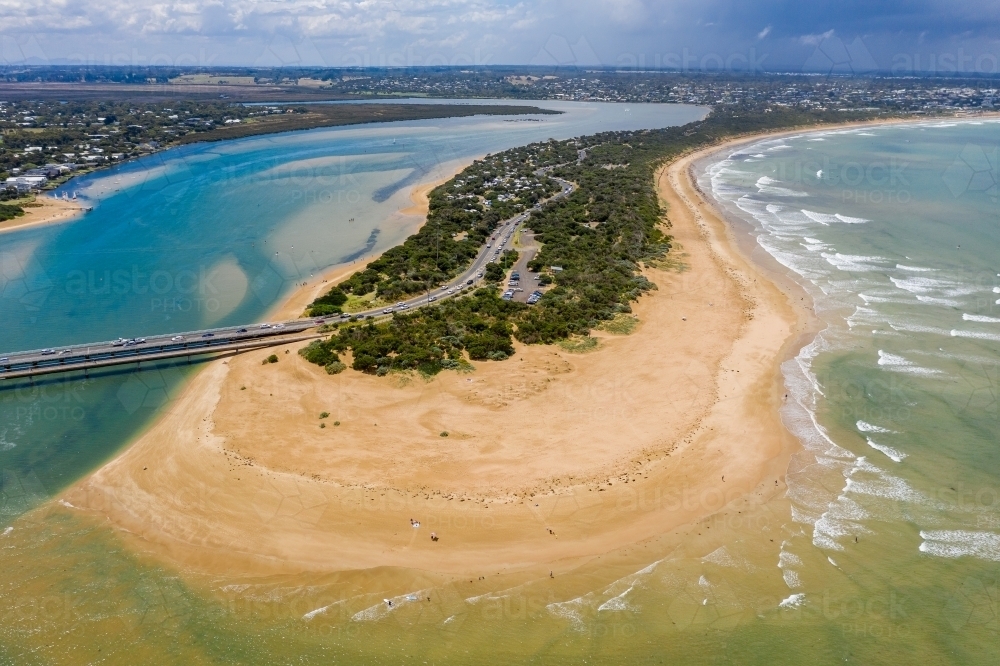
(463, 215)
(600, 237)
(10, 211)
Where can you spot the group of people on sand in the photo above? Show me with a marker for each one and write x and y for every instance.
(416, 523)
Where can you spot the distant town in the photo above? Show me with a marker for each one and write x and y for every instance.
(56, 121)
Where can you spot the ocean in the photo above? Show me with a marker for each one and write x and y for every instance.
(885, 548)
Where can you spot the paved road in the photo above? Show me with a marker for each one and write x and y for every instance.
(158, 347)
(527, 283)
(501, 240)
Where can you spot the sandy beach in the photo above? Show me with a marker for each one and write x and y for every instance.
(43, 211)
(538, 463)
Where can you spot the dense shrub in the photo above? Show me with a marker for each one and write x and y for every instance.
(599, 236)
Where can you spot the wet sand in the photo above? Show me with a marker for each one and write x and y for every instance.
(551, 459)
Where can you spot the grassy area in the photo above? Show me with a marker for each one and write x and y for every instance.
(622, 324)
(579, 344)
(9, 212)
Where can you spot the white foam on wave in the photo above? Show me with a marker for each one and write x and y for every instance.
(383, 608)
(827, 219)
(853, 263)
(791, 578)
(929, 289)
(864, 426)
(871, 298)
(975, 335)
(766, 185)
(981, 319)
(916, 328)
(897, 363)
(823, 218)
(319, 611)
(571, 610)
(891, 453)
(793, 601)
(915, 269)
(617, 603)
(961, 543)
(879, 483)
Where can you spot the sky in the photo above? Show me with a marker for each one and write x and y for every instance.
(823, 36)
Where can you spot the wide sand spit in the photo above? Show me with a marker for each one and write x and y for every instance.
(551, 458)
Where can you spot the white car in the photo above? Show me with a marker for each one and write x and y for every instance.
(177, 338)
(265, 326)
(387, 311)
(279, 326)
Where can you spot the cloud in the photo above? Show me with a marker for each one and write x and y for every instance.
(334, 32)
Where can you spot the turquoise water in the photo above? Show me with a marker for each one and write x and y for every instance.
(895, 233)
(215, 234)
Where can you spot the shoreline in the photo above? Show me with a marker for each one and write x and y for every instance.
(258, 511)
(294, 304)
(44, 211)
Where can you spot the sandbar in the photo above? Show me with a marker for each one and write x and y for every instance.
(43, 211)
(546, 460)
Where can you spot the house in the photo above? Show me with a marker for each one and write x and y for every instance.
(26, 183)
